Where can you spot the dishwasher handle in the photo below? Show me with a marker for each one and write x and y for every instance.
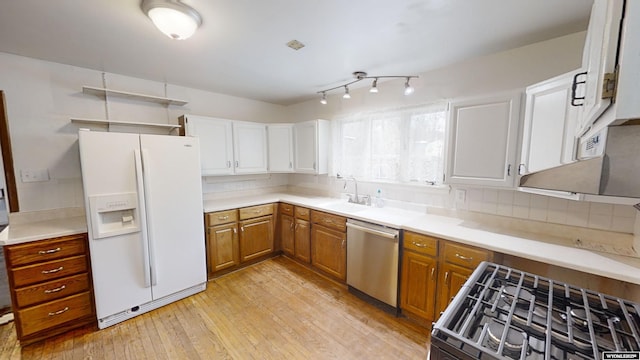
(387, 235)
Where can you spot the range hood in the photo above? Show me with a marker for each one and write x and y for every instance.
(613, 170)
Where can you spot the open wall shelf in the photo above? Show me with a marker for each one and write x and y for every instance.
(129, 95)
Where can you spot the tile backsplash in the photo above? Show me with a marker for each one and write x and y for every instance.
(593, 215)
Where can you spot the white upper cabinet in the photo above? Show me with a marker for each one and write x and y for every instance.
(280, 139)
(228, 147)
(311, 146)
(598, 61)
(216, 143)
(549, 125)
(482, 134)
(249, 147)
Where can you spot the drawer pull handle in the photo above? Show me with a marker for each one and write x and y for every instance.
(50, 291)
(433, 270)
(52, 270)
(461, 257)
(66, 308)
(420, 245)
(223, 217)
(446, 277)
(235, 230)
(257, 211)
(45, 252)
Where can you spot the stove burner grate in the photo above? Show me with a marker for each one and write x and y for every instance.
(545, 319)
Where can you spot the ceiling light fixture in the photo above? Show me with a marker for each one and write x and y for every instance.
(346, 93)
(172, 17)
(374, 86)
(408, 89)
(323, 101)
(361, 75)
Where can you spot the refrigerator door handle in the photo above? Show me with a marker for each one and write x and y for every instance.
(143, 219)
(149, 205)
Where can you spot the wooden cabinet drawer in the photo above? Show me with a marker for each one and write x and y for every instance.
(50, 314)
(465, 256)
(422, 244)
(303, 213)
(255, 211)
(47, 250)
(329, 220)
(286, 209)
(47, 271)
(52, 290)
(221, 217)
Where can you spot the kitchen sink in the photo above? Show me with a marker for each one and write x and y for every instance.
(343, 206)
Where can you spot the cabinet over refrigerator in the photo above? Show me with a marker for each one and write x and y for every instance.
(143, 199)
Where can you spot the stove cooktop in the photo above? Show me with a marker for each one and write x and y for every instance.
(503, 313)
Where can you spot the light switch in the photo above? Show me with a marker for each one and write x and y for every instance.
(34, 175)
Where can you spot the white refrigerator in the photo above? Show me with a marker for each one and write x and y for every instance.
(143, 199)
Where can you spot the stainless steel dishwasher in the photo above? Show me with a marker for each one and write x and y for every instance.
(372, 260)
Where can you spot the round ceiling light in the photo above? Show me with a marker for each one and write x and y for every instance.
(173, 18)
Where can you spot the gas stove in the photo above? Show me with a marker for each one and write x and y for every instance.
(503, 313)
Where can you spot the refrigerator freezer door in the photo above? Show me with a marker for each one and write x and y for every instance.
(117, 262)
(173, 196)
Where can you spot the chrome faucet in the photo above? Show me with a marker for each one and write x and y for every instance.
(356, 199)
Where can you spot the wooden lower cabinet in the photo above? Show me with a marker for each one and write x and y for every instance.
(453, 278)
(419, 274)
(50, 286)
(287, 234)
(433, 271)
(329, 251)
(224, 251)
(302, 240)
(256, 238)
(238, 236)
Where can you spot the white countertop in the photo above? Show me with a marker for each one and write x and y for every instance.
(38, 230)
(530, 246)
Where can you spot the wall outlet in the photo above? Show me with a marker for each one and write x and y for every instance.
(34, 175)
(461, 196)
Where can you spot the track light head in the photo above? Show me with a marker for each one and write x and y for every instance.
(323, 101)
(408, 89)
(374, 86)
(346, 93)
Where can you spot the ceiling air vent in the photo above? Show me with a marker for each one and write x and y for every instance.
(295, 44)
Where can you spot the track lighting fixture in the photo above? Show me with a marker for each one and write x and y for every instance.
(346, 93)
(374, 86)
(361, 75)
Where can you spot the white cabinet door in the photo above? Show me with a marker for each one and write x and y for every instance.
(311, 142)
(280, 138)
(599, 58)
(250, 147)
(549, 125)
(482, 137)
(216, 143)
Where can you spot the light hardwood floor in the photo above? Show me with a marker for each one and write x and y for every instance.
(276, 309)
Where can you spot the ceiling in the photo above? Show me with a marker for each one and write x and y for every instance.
(240, 48)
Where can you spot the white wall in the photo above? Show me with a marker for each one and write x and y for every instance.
(512, 69)
(41, 97)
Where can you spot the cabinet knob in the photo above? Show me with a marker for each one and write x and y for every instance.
(446, 277)
(433, 270)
